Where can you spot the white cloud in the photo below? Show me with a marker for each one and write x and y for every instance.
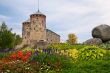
(4, 18)
(74, 16)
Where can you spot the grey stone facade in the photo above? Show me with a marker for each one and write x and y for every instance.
(52, 37)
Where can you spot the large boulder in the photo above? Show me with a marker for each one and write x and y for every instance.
(93, 41)
(102, 32)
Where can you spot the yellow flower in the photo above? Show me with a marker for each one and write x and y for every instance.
(73, 53)
(62, 52)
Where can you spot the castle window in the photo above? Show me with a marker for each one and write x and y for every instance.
(23, 28)
(42, 21)
(28, 33)
(34, 15)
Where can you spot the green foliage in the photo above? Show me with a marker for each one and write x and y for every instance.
(94, 66)
(105, 46)
(107, 55)
(28, 49)
(18, 40)
(59, 46)
(2, 55)
(7, 38)
(55, 61)
(65, 46)
(91, 59)
(67, 62)
(91, 53)
(44, 58)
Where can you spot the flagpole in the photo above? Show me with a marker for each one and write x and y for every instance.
(38, 5)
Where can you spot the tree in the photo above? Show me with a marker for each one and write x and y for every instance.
(7, 38)
(72, 39)
(18, 40)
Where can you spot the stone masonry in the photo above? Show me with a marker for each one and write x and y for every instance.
(34, 30)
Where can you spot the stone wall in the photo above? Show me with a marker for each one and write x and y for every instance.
(52, 37)
(38, 26)
(26, 32)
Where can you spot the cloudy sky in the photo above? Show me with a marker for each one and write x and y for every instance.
(63, 16)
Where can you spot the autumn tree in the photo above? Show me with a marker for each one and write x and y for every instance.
(72, 38)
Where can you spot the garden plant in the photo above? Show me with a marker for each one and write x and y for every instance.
(55, 59)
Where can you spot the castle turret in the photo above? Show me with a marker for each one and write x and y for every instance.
(38, 26)
(26, 31)
(34, 30)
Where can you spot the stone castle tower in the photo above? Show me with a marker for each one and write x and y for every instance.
(34, 30)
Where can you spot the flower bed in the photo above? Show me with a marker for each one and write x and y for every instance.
(56, 60)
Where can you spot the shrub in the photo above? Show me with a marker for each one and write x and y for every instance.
(91, 53)
(105, 46)
(73, 53)
(65, 46)
(107, 55)
(61, 46)
(3, 55)
(28, 49)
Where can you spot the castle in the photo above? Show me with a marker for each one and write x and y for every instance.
(34, 30)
